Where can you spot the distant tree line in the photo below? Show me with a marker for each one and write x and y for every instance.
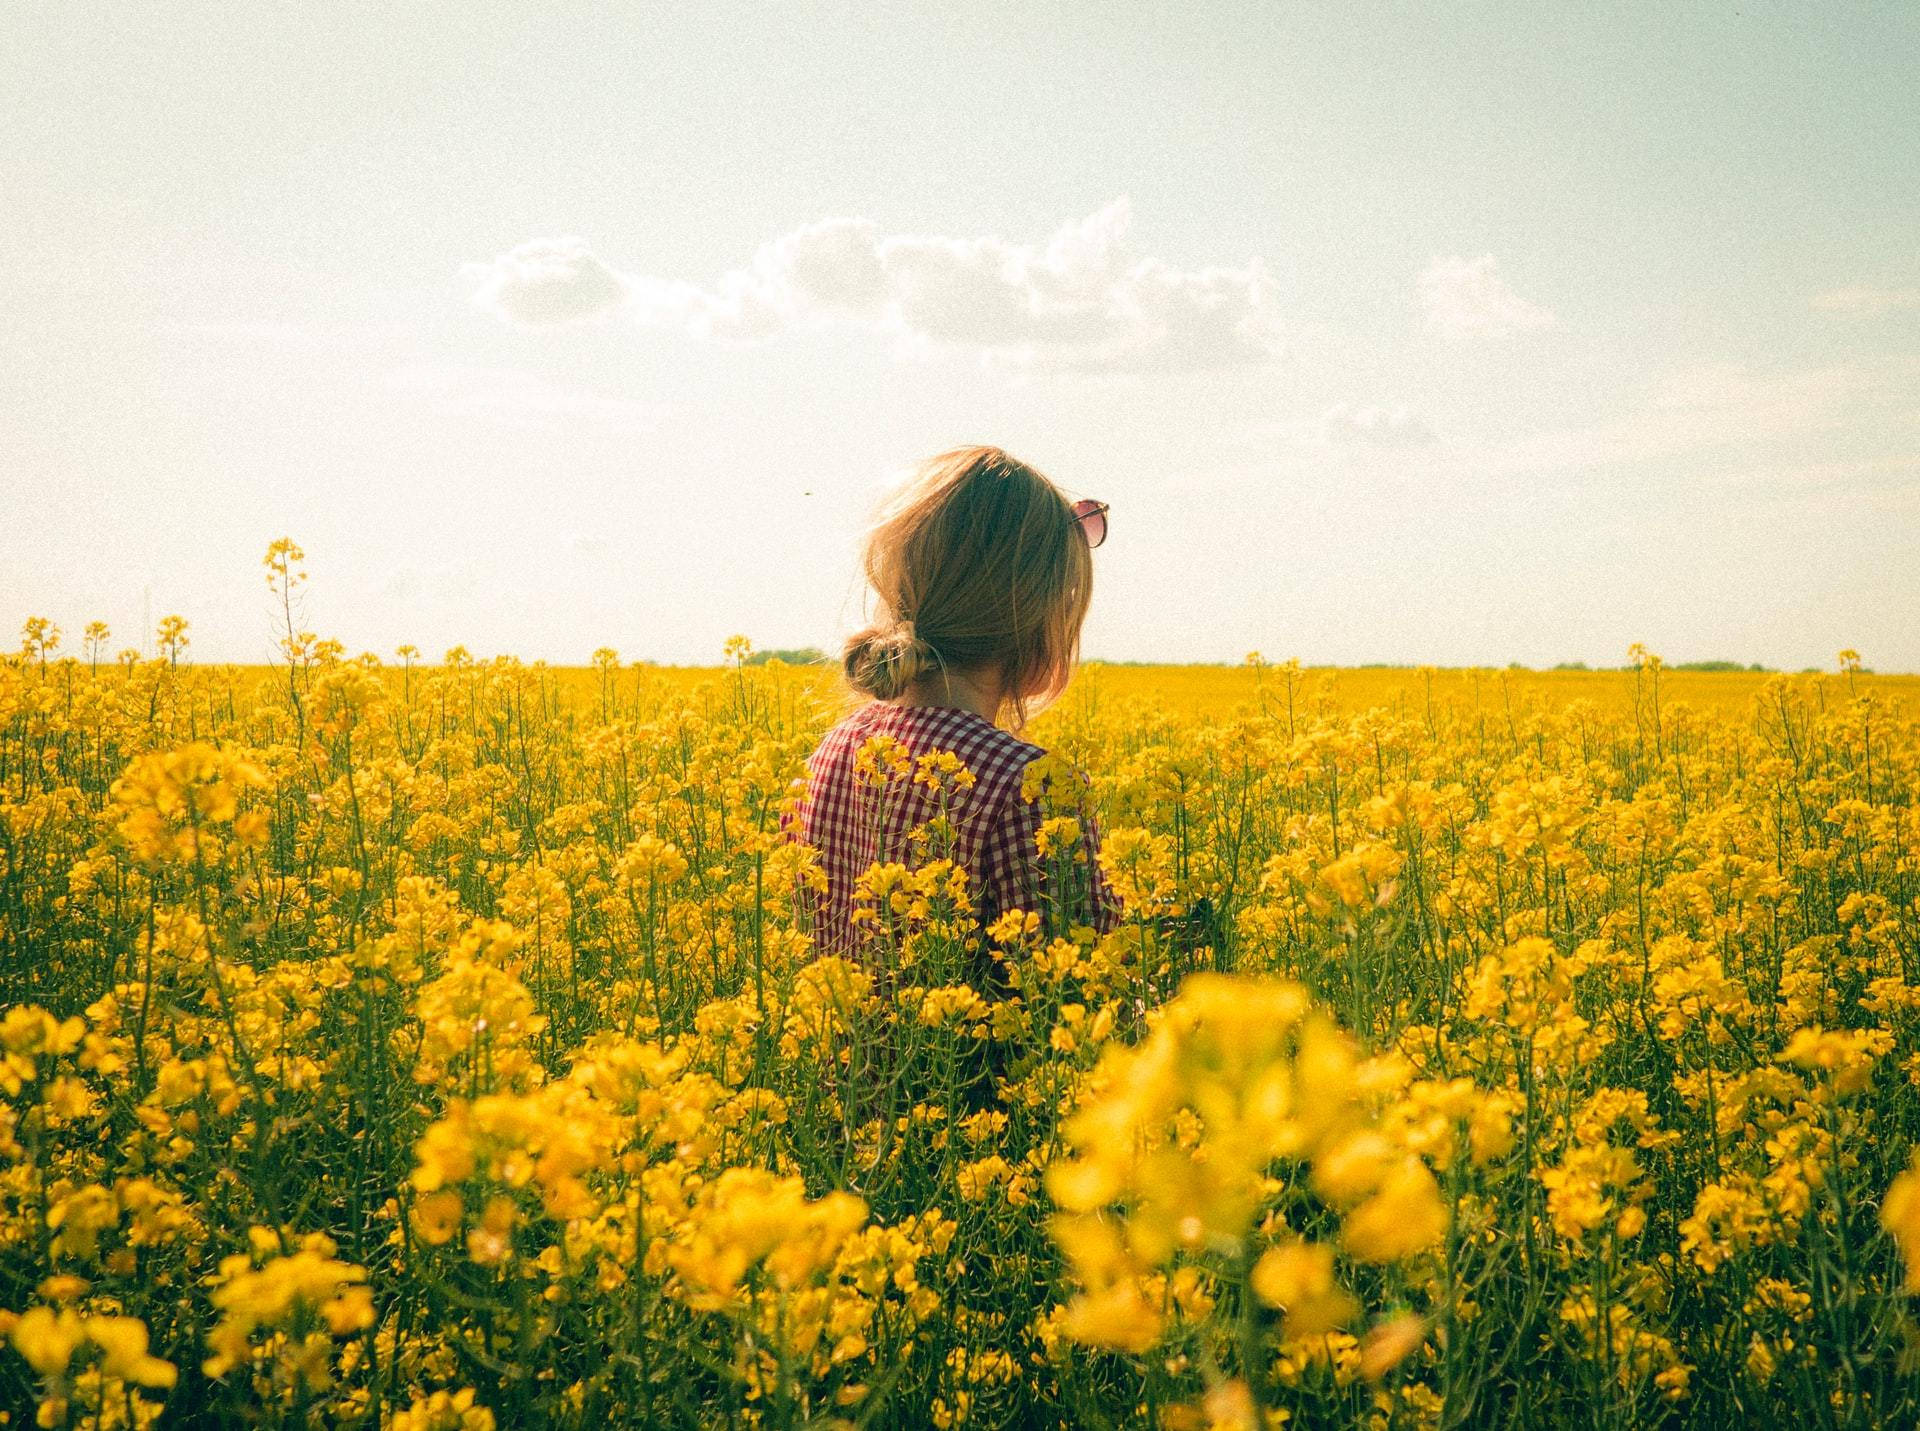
(814, 656)
(799, 656)
(1676, 666)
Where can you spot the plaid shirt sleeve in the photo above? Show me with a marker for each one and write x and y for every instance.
(1013, 872)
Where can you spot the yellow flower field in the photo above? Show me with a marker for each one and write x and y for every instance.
(435, 1046)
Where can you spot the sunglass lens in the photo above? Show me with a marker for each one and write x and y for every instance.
(1093, 519)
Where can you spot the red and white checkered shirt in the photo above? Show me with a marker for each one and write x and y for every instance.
(994, 828)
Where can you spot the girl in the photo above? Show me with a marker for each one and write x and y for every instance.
(984, 571)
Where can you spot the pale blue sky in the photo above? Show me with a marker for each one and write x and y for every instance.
(1433, 333)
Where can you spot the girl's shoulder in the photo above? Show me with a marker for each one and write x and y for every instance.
(996, 758)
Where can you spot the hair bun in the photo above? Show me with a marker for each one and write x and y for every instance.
(883, 661)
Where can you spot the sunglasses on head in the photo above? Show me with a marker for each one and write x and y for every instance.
(1092, 517)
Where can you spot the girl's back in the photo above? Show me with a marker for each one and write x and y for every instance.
(863, 811)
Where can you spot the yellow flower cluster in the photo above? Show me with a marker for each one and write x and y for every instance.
(174, 800)
(302, 1300)
(1180, 1178)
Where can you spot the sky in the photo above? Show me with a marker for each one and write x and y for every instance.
(1455, 334)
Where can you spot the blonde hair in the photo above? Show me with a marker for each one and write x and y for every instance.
(976, 562)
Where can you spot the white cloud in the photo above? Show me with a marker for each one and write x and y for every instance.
(830, 266)
(1467, 298)
(1893, 474)
(1086, 300)
(545, 283)
(1397, 426)
(1866, 301)
(1725, 401)
(515, 396)
(1718, 407)
(421, 583)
